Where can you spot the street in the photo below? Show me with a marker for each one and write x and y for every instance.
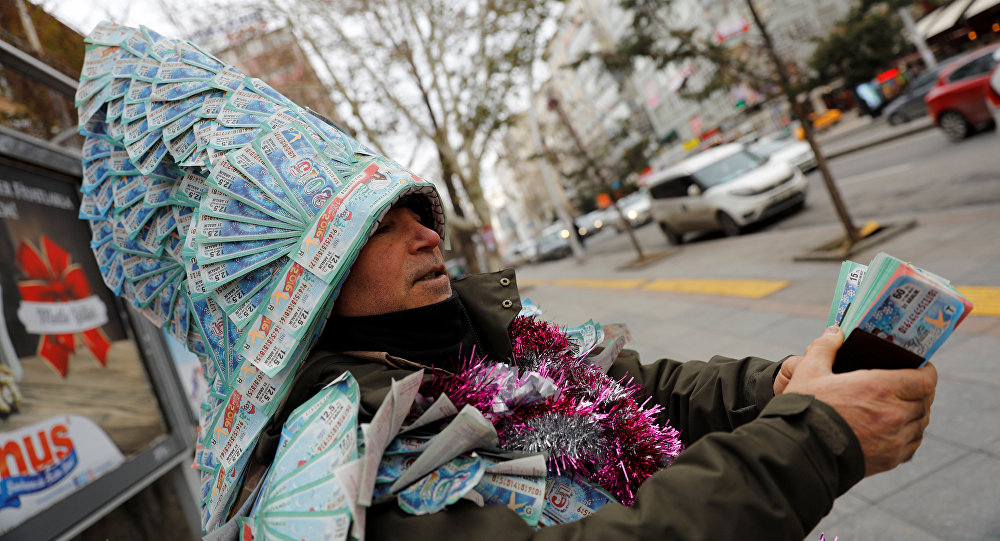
(747, 295)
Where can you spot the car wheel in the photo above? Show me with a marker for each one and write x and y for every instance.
(673, 237)
(729, 226)
(896, 119)
(954, 126)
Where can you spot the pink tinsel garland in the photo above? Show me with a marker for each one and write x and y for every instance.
(593, 426)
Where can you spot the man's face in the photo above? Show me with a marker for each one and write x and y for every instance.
(401, 267)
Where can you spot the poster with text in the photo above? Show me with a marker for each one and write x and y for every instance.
(75, 398)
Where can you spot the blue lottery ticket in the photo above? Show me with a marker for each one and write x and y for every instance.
(147, 236)
(115, 107)
(94, 148)
(405, 445)
(262, 88)
(144, 291)
(339, 148)
(138, 90)
(135, 218)
(178, 324)
(234, 118)
(213, 103)
(137, 130)
(105, 254)
(135, 42)
(442, 487)
(189, 191)
(181, 147)
(217, 274)
(121, 164)
(125, 66)
(523, 495)
(223, 138)
(294, 161)
(194, 55)
(90, 88)
(162, 113)
(146, 141)
(249, 162)
(146, 69)
(157, 192)
(158, 46)
(851, 275)
(230, 180)
(915, 314)
(251, 102)
(98, 60)
(317, 449)
(229, 79)
(163, 225)
(332, 525)
(113, 274)
(323, 494)
(138, 267)
(172, 72)
(118, 88)
(100, 232)
(153, 157)
(107, 33)
(209, 319)
(96, 126)
(128, 191)
(212, 252)
(231, 295)
(243, 313)
(91, 106)
(212, 229)
(89, 209)
(95, 173)
(569, 498)
(172, 244)
(162, 307)
(183, 125)
(221, 205)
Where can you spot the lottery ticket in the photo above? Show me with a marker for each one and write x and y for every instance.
(262, 88)
(332, 525)
(293, 160)
(90, 88)
(178, 325)
(89, 209)
(172, 72)
(221, 205)
(89, 107)
(159, 311)
(183, 124)
(234, 118)
(243, 313)
(153, 157)
(105, 254)
(177, 91)
(128, 191)
(115, 106)
(138, 91)
(95, 173)
(337, 232)
(162, 113)
(217, 274)
(223, 138)
(292, 305)
(230, 180)
(324, 494)
(159, 46)
(249, 162)
(851, 275)
(190, 189)
(113, 274)
(164, 223)
(133, 111)
(138, 267)
(251, 102)
(135, 218)
(125, 66)
(444, 486)
(100, 232)
(569, 498)
(134, 42)
(210, 321)
(232, 295)
(523, 495)
(212, 229)
(915, 313)
(585, 337)
(146, 69)
(181, 147)
(393, 465)
(107, 33)
(120, 164)
(194, 55)
(142, 292)
(94, 148)
(117, 89)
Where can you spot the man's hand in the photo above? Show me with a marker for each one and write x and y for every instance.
(887, 409)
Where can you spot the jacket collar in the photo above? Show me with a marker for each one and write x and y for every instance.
(492, 301)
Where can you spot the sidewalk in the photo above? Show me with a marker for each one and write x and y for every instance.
(951, 489)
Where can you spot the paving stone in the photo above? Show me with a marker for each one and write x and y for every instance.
(932, 455)
(873, 524)
(965, 413)
(959, 502)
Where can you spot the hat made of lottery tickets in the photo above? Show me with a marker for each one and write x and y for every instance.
(223, 211)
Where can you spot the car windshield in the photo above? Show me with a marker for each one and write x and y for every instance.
(770, 147)
(727, 168)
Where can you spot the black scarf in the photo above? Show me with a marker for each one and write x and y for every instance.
(433, 335)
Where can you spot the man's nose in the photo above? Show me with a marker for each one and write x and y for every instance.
(422, 237)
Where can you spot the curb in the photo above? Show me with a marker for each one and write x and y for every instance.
(916, 127)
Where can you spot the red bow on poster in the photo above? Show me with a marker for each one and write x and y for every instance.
(57, 303)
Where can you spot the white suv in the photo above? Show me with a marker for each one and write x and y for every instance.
(726, 187)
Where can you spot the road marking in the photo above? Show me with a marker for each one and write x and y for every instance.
(753, 289)
(601, 284)
(985, 300)
(864, 177)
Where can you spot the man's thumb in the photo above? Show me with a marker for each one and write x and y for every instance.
(823, 350)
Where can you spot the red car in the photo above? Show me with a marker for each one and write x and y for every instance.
(957, 103)
(992, 89)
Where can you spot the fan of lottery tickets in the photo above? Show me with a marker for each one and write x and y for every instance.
(227, 215)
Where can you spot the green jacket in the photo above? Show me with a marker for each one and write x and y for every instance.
(756, 466)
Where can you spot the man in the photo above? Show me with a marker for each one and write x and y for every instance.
(769, 445)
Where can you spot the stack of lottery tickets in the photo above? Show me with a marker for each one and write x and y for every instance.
(227, 215)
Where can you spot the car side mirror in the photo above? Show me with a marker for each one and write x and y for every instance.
(694, 190)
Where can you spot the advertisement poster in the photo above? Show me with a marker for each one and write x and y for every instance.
(75, 399)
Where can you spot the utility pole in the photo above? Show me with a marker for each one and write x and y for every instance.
(917, 39)
(807, 128)
(557, 107)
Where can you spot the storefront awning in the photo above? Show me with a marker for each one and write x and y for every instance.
(949, 15)
(979, 6)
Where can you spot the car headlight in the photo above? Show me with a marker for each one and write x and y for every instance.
(564, 233)
(632, 215)
(582, 230)
(598, 224)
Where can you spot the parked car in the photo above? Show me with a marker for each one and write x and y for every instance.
(784, 148)
(553, 242)
(724, 188)
(590, 223)
(910, 105)
(992, 89)
(523, 252)
(957, 103)
(636, 209)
